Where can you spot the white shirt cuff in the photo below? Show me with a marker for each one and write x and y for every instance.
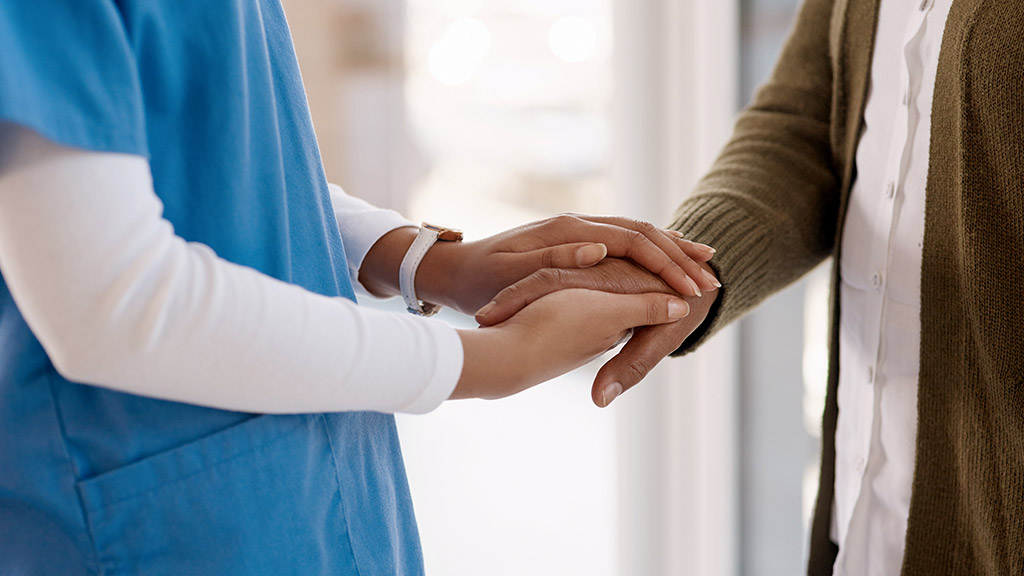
(362, 224)
(447, 369)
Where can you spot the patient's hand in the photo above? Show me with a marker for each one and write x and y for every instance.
(553, 335)
(467, 275)
(648, 345)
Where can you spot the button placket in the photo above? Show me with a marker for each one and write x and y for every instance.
(903, 102)
(899, 141)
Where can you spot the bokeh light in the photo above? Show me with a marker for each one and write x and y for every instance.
(573, 39)
(455, 57)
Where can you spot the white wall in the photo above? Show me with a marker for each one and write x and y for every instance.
(675, 89)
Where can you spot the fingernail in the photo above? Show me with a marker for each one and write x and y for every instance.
(693, 287)
(675, 233)
(678, 309)
(485, 310)
(590, 254)
(705, 248)
(711, 278)
(611, 392)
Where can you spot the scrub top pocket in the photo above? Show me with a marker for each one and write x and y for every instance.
(261, 497)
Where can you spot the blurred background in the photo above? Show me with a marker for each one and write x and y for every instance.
(486, 114)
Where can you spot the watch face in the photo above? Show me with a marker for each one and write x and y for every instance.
(426, 310)
(451, 236)
(445, 234)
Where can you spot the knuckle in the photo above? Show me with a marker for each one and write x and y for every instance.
(564, 219)
(635, 238)
(644, 244)
(654, 312)
(510, 292)
(646, 228)
(526, 290)
(636, 369)
(550, 258)
(647, 283)
(549, 276)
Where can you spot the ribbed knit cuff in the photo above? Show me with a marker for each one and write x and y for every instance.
(741, 260)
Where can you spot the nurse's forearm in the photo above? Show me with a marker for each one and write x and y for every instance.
(117, 300)
(364, 227)
(438, 271)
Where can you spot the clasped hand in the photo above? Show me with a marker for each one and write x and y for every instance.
(553, 295)
(617, 279)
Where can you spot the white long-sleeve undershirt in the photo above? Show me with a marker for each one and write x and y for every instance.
(362, 224)
(118, 300)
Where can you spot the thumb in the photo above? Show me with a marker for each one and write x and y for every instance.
(574, 255)
(635, 360)
(636, 310)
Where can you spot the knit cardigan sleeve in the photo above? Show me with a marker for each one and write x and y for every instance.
(769, 204)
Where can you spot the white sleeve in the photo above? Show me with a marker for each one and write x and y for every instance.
(361, 225)
(119, 301)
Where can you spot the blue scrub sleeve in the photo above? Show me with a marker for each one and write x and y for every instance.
(68, 72)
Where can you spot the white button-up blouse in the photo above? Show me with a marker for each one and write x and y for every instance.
(880, 293)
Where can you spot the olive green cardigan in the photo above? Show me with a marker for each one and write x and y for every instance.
(774, 205)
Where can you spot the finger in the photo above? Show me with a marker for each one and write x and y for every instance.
(624, 238)
(650, 247)
(695, 250)
(574, 255)
(521, 294)
(638, 357)
(633, 310)
(674, 246)
(611, 276)
(639, 241)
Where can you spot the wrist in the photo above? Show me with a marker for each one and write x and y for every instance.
(702, 313)
(440, 274)
(437, 277)
(379, 270)
(489, 367)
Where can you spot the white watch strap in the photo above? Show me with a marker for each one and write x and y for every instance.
(407, 272)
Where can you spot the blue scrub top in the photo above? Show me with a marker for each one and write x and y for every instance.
(99, 482)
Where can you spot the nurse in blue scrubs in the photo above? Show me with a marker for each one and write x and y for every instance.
(177, 279)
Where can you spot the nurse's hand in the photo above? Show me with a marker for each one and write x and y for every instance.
(647, 347)
(466, 276)
(553, 335)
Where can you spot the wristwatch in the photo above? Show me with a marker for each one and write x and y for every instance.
(429, 234)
